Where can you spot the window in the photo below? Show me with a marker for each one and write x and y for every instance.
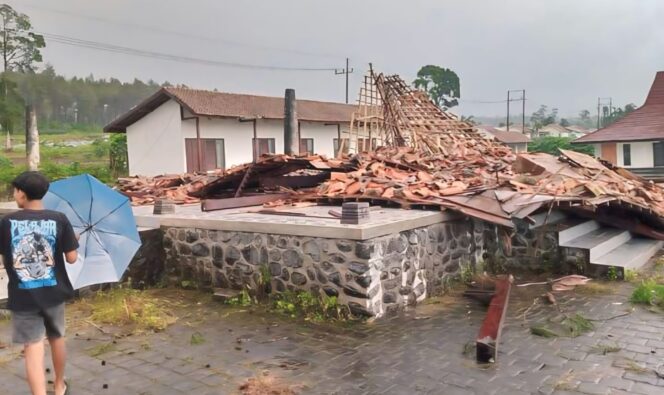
(213, 154)
(362, 145)
(307, 146)
(344, 143)
(658, 153)
(263, 146)
(627, 155)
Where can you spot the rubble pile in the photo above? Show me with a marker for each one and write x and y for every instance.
(430, 159)
(176, 188)
(582, 179)
(404, 173)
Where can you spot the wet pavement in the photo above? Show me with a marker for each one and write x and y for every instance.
(421, 352)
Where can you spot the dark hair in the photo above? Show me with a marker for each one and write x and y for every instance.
(32, 183)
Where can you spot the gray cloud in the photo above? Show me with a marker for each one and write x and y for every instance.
(565, 53)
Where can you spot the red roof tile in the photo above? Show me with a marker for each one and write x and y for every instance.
(233, 105)
(643, 124)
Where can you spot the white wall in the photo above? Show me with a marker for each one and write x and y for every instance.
(238, 135)
(518, 147)
(598, 150)
(154, 143)
(323, 136)
(641, 154)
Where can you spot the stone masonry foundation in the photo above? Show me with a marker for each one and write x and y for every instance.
(374, 277)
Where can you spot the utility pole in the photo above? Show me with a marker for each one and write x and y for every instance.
(345, 71)
(508, 111)
(31, 138)
(600, 101)
(523, 107)
(523, 112)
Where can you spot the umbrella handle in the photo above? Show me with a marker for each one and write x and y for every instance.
(89, 227)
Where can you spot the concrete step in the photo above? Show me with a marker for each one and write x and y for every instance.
(632, 254)
(599, 241)
(576, 231)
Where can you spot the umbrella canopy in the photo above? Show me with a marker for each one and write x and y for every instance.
(104, 219)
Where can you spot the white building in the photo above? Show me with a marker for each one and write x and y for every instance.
(180, 130)
(517, 141)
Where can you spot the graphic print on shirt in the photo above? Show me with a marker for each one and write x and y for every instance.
(33, 243)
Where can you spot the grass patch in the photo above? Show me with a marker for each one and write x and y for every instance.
(630, 365)
(542, 331)
(596, 288)
(196, 339)
(101, 349)
(649, 292)
(604, 349)
(243, 299)
(564, 383)
(124, 306)
(311, 307)
(570, 326)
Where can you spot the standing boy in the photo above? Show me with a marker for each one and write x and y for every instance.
(32, 243)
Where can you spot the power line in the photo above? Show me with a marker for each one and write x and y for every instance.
(487, 101)
(164, 56)
(176, 33)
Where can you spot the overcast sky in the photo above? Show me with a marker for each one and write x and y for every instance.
(565, 53)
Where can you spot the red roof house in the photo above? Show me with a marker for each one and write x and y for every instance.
(635, 141)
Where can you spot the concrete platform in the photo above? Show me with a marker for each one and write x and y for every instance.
(314, 221)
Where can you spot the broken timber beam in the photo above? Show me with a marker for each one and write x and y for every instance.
(489, 335)
(244, 201)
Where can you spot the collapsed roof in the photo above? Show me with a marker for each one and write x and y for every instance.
(431, 159)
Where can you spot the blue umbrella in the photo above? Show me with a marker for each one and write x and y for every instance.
(104, 219)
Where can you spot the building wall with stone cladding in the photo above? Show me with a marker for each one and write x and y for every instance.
(373, 277)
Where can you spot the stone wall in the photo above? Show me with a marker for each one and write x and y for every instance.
(521, 249)
(373, 277)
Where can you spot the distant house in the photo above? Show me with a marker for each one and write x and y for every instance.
(577, 131)
(180, 130)
(553, 130)
(515, 140)
(635, 141)
(519, 128)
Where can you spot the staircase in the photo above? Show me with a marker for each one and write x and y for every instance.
(609, 246)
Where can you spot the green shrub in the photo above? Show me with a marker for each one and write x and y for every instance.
(649, 292)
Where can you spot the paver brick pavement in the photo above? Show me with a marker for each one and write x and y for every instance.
(421, 352)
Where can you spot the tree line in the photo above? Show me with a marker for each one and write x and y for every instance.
(60, 101)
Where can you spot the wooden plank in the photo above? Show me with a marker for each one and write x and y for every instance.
(489, 335)
(244, 201)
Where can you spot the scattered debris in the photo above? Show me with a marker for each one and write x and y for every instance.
(196, 339)
(565, 283)
(489, 334)
(265, 385)
(569, 326)
(605, 349)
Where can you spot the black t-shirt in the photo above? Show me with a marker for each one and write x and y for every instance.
(32, 243)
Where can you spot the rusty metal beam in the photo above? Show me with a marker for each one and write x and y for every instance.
(489, 335)
(244, 201)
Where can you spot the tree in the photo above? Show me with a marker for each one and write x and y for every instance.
(18, 44)
(543, 117)
(441, 84)
(551, 145)
(564, 122)
(611, 117)
(584, 118)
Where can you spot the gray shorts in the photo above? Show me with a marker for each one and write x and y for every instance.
(34, 326)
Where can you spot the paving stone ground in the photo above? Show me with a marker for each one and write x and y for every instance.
(418, 353)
